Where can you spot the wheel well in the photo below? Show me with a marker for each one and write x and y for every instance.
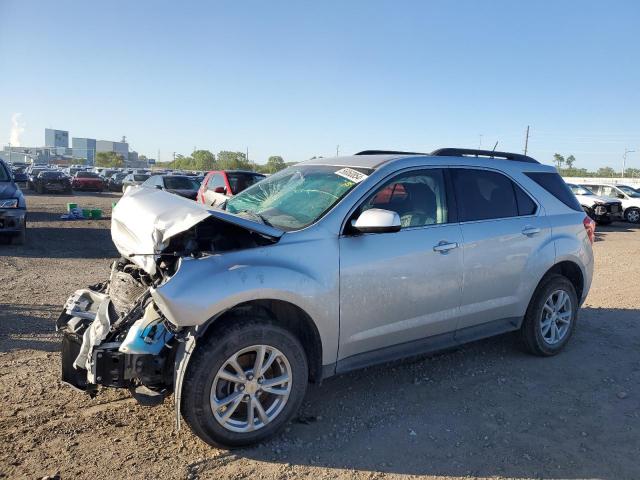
(284, 314)
(572, 272)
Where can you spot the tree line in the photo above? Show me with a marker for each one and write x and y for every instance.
(203, 160)
(566, 167)
(225, 160)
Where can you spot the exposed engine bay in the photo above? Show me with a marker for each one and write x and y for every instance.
(115, 335)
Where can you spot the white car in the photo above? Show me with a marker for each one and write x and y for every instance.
(603, 210)
(629, 198)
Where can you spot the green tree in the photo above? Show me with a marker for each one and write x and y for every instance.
(606, 172)
(109, 160)
(203, 160)
(558, 160)
(232, 160)
(275, 163)
(632, 172)
(570, 160)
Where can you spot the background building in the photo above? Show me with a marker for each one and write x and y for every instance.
(56, 138)
(121, 148)
(84, 148)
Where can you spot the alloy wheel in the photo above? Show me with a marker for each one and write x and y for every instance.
(557, 314)
(251, 388)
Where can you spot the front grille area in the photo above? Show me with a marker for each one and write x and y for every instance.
(123, 292)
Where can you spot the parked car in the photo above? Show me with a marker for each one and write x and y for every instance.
(114, 183)
(134, 179)
(52, 181)
(107, 173)
(33, 173)
(21, 178)
(84, 180)
(13, 207)
(325, 267)
(629, 198)
(219, 185)
(603, 210)
(178, 184)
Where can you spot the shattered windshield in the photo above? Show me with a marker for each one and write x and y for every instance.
(297, 196)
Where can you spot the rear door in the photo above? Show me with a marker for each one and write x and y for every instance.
(502, 227)
(397, 288)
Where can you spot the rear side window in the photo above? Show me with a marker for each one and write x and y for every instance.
(484, 195)
(526, 206)
(555, 185)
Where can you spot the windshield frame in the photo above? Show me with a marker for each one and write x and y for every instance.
(631, 194)
(257, 213)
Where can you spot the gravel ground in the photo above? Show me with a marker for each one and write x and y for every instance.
(485, 410)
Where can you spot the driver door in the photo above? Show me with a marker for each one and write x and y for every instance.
(397, 289)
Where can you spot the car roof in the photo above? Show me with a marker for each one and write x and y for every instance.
(376, 161)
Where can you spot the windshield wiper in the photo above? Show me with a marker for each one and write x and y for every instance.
(259, 215)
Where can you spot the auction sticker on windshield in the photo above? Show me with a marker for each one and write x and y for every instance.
(353, 175)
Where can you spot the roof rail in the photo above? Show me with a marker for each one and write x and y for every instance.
(388, 152)
(470, 152)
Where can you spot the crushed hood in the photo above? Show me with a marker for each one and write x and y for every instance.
(145, 219)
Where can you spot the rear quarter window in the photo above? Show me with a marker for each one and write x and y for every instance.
(556, 186)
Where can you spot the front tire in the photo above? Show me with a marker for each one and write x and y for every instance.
(551, 316)
(632, 215)
(244, 383)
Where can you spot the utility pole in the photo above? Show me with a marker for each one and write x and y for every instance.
(247, 154)
(337, 150)
(480, 146)
(526, 141)
(624, 160)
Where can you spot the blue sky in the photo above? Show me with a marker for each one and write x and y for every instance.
(298, 78)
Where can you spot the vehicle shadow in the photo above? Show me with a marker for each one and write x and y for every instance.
(486, 409)
(626, 227)
(74, 194)
(28, 327)
(78, 240)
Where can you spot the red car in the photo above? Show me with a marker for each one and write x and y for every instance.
(218, 185)
(87, 181)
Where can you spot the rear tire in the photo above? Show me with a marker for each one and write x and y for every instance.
(203, 382)
(537, 331)
(632, 215)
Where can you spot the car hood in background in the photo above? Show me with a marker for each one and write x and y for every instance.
(145, 219)
(598, 198)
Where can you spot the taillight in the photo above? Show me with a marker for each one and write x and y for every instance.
(590, 227)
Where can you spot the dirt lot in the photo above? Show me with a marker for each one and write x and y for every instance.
(486, 410)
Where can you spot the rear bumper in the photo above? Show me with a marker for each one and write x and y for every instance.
(12, 220)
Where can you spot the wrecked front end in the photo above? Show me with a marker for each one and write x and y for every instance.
(114, 333)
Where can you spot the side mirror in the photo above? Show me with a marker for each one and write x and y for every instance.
(620, 195)
(222, 190)
(159, 187)
(377, 220)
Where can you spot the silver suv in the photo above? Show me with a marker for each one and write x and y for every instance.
(328, 266)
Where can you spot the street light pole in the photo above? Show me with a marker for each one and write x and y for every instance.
(624, 160)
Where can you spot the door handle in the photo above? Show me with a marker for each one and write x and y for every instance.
(530, 231)
(444, 247)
